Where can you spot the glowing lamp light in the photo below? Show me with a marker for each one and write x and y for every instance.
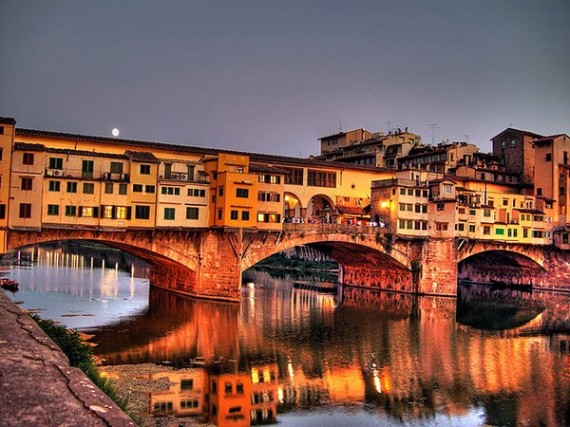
(384, 204)
(115, 132)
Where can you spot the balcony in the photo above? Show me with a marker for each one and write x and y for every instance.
(120, 177)
(184, 177)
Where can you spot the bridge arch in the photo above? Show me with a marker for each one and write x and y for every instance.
(365, 259)
(510, 265)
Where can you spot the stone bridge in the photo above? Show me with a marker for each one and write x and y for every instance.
(209, 262)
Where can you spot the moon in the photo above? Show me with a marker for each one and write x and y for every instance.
(115, 132)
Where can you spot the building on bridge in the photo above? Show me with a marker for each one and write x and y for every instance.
(58, 180)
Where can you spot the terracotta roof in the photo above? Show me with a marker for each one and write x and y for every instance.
(265, 158)
(351, 210)
(256, 167)
(141, 156)
(24, 146)
(525, 132)
(7, 120)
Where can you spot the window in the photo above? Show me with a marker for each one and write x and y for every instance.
(242, 192)
(500, 231)
(402, 191)
(137, 188)
(87, 169)
(221, 191)
(122, 188)
(539, 191)
(234, 215)
(228, 388)
(25, 210)
(293, 176)
(55, 163)
(548, 157)
(245, 216)
(142, 212)
(108, 188)
(188, 404)
(53, 209)
(196, 192)
(169, 213)
(89, 211)
(145, 170)
(170, 191)
(441, 226)
(2, 211)
(88, 188)
(220, 214)
(26, 184)
(513, 143)
(1, 130)
(28, 159)
(321, 179)
(268, 217)
(192, 212)
(525, 233)
(150, 189)
(70, 210)
(472, 228)
(123, 212)
(487, 213)
(54, 186)
(72, 187)
(108, 211)
(116, 167)
(440, 206)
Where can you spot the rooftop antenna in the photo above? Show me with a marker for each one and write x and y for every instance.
(433, 127)
(466, 137)
(340, 126)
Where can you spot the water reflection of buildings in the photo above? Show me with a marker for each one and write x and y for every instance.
(219, 393)
(404, 356)
(81, 255)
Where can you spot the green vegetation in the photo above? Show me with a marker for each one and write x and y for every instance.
(80, 355)
(280, 261)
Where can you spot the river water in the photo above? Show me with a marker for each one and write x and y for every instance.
(291, 355)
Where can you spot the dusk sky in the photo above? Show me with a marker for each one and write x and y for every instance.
(273, 76)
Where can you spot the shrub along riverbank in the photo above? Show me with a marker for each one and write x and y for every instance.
(80, 355)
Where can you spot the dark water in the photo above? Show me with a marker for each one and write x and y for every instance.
(300, 357)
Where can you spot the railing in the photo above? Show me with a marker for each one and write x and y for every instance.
(323, 228)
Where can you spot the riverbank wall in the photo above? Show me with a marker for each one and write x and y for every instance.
(38, 387)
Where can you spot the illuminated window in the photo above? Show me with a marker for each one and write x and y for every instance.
(87, 211)
(122, 212)
(108, 212)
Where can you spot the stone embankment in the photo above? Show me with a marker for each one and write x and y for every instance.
(38, 387)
